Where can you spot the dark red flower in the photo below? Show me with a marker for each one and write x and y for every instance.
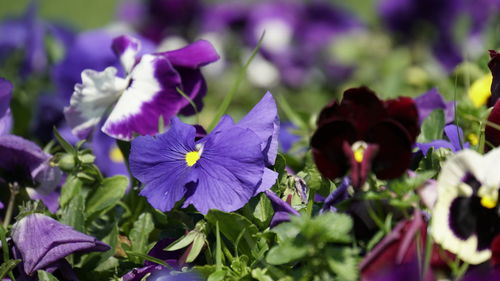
(363, 133)
(494, 65)
(491, 134)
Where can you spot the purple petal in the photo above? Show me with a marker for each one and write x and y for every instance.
(108, 156)
(287, 138)
(424, 147)
(137, 274)
(5, 95)
(126, 49)
(263, 120)
(159, 162)
(338, 195)
(282, 210)
(268, 180)
(42, 241)
(456, 137)
(432, 100)
(151, 93)
(6, 123)
(50, 200)
(193, 56)
(229, 171)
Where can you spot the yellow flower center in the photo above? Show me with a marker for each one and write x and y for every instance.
(488, 202)
(116, 155)
(479, 91)
(358, 148)
(192, 157)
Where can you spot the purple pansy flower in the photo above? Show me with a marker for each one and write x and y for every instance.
(43, 241)
(25, 164)
(218, 171)
(432, 100)
(455, 143)
(149, 90)
(5, 115)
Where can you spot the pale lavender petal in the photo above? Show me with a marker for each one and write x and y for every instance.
(194, 55)
(91, 100)
(151, 93)
(6, 123)
(456, 136)
(159, 162)
(42, 241)
(50, 200)
(126, 49)
(263, 120)
(229, 171)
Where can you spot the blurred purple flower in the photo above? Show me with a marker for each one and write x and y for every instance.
(218, 171)
(287, 138)
(43, 241)
(25, 164)
(149, 90)
(338, 195)
(5, 115)
(432, 100)
(109, 158)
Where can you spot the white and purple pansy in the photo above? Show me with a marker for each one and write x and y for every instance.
(149, 90)
(466, 215)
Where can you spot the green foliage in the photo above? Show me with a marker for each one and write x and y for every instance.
(432, 127)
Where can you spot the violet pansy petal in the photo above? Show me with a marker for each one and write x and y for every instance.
(263, 120)
(50, 200)
(6, 123)
(126, 48)
(193, 85)
(269, 178)
(159, 162)
(432, 100)
(194, 55)
(424, 147)
(5, 95)
(228, 172)
(92, 98)
(338, 195)
(456, 136)
(151, 93)
(138, 274)
(282, 210)
(42, 241)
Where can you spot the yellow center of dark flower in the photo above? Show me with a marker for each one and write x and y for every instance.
(192, 157)
(358, 148)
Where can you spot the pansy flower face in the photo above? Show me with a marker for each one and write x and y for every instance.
(363, 133)
(466, 216)
(222, 170)
(149, 90)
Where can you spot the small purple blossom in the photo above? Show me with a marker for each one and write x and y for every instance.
(43, 241)
(149, 90)
(432, 100)
(218, 171)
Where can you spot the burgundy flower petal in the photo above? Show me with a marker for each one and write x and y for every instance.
(361, 106)
(404, 110)
(327, 149)
(394, 155)
(492, 135)
(494, 66)
(495, 251)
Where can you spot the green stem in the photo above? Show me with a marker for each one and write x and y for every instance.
(14, 190)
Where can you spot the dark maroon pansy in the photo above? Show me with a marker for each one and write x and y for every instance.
(363, 134)
(491, 134)
(494, 65)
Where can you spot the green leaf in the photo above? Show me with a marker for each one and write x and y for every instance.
(344, 263)
(69, 190)
(198, 243)
(74, 214)
(7, 266)
(404, 184)
(65, 145)
(139, 235)
(86, 158)
(182, 242)
(218, 248)
(45, 276)
(287, 251)
(107, 194)
(217, 276)
(280, 166)
(432, 127)
(231, 225)
(147, 257)
(259, 210)
(3, 241)
(260, 275)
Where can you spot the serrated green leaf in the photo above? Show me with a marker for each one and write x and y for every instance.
(287, 251)
(7, 266)
(107, 194)
(45, 276)
(344, 263)
(69, 190)
(139, 235)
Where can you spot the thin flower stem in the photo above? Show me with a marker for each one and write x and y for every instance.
(14, 190)
(191, 102)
